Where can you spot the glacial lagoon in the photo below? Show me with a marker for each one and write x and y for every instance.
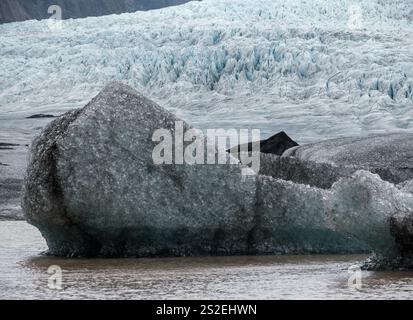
(24, 275)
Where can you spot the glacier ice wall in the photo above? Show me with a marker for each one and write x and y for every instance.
(316, 69)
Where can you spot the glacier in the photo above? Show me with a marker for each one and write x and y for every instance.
(312, 68)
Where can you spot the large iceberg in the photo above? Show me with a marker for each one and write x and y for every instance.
(93, 189)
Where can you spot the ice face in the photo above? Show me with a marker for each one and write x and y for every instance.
(363, 205)
(93, 189)
(297, 66)
(294, 218)
(358, 212)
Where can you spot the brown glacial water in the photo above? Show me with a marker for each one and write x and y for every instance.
(24, 275)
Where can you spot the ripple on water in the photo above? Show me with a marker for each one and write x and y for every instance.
(24, 275)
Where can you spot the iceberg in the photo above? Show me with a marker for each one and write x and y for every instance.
(93, 190)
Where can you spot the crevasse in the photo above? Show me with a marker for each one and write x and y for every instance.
(299, 66)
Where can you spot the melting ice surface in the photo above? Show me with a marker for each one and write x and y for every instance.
(317, 69)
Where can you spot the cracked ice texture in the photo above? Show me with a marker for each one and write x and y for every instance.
(293, 65)
(363, 205)
(358, 212)
(93, 190)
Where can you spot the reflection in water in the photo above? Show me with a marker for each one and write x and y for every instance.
(24, 275)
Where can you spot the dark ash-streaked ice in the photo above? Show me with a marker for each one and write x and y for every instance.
(93, 189)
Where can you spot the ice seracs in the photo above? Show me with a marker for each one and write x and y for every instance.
(260, 62)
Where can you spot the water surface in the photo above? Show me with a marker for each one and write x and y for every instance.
(24, 275)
